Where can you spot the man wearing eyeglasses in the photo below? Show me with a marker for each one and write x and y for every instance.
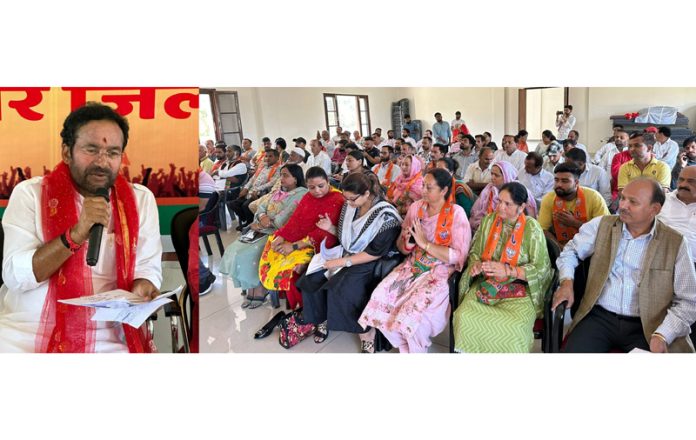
(47, 225)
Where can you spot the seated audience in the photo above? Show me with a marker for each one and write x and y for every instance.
(463, 195)
(570, 205)
(478, 175)
(510, 153)
(501, 173)
(411, 305)
(679, 213)
(686, 158)
(553, 157)
(259, 184)
(241, 259)
(290, 248)
(386, 170)
(641, 288)
(643, 163)
(367, 228)
(534, 177)
(547, 139)
(408, 187)
(592, 176)
(501, 292)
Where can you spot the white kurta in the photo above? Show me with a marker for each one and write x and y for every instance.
(22, 297)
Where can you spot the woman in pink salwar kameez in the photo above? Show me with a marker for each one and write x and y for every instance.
(411, 305)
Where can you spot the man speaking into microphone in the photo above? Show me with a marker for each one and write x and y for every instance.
(80, 230)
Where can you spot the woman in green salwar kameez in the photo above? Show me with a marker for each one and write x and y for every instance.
(500, 295)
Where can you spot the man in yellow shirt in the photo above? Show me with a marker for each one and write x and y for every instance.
(643, 163)
(569, 206)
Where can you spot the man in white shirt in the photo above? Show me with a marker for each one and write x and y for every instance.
(620, 143)
(357, 138)
(537, 180)
(233, 171)
(337, 138)
(478, 175)
(608, 145)
(510, 153)
(465, 156)
(679, 210)
(391, 140)
(666, 149)
(318, 158)
(327, 143)
(386, 170)
(575, 135)
(47, 224)
(424, 154)
(406, 136)
(565, 122)
(592, 176)
(553, 156)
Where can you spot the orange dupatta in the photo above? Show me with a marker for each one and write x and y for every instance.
(565, 233)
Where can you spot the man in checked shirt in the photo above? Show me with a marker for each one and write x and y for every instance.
(641, 288)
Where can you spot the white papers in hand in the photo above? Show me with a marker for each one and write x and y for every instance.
(122, 306)
(324, 255)
(639, 351)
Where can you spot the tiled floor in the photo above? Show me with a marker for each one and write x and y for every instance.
(226, 327)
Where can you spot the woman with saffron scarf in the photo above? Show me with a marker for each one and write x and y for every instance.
(241, 259)
(408, 187)
(463, 194)
(501, 173)
(288, 251)
(501, 292)
(366, 231)
(411, 305)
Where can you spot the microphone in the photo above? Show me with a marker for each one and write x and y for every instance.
(95, 234)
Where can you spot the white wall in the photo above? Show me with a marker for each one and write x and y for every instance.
(290, 112)
(483, 108)
(594, 105)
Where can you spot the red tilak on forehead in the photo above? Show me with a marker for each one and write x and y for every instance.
(104, 140)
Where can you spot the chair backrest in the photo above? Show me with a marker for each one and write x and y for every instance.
(554, 251)
(209, 214)
(181, 223)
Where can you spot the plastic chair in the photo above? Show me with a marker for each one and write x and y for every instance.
(210, 223)
(453, 283)
(579, 283)
(382, 269)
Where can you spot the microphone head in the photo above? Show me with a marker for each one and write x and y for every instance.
(103, 192)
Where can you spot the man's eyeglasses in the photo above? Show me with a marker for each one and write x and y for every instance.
(111, 154)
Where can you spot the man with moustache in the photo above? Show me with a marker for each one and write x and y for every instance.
(686, 158)
(386, 170)
(47, 224)
(259, 184)
(679, 213)
(643, 163)
(478, 175)
(641, 288)
(569, 206)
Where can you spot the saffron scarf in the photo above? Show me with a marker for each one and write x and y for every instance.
(387, 177)
(69, 329)
(494, 289)
(565, 233)
(443, 236)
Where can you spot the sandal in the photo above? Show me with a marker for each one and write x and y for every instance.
(321, 333)
(367, 347)
(254, 302)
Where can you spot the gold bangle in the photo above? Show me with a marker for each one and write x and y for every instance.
(427, 246)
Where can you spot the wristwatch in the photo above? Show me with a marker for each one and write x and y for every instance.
(348, 262)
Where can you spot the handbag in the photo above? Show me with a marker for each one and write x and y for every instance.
(293, 330)
(493, 290)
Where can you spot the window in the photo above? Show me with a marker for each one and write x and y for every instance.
(350, 112)
(219, 117)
